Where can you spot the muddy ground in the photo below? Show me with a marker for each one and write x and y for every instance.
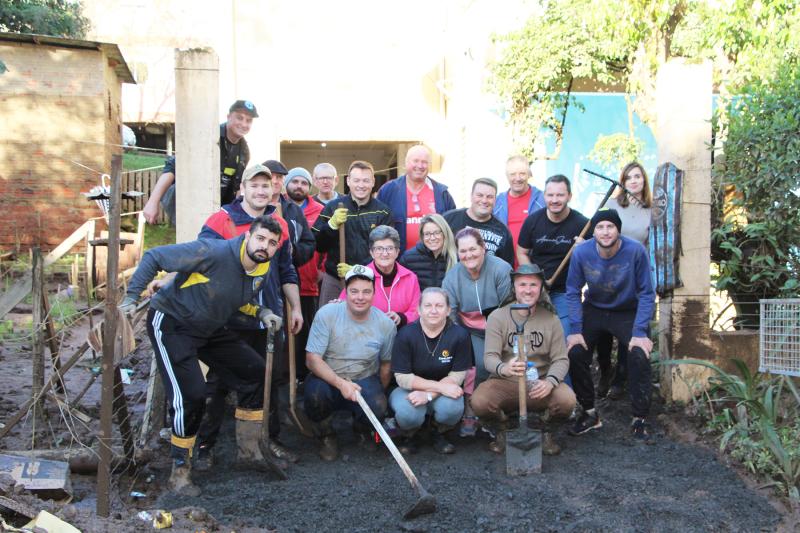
(603, 481)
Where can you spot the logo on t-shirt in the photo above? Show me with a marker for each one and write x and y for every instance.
(445, 357)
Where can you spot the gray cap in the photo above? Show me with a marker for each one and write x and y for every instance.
(255, 170)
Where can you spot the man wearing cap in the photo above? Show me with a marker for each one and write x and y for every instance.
(234, 155)
(187, 323)
(618, 300)
(544, 346)
(349, 349)
(359, 213)
(521, 199)
(325, 180)
(303, 244)
(298, 186)
(414, 195)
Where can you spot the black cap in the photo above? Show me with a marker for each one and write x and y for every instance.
(276, 167)
(244, 105)
(531, 269)
(609, 215)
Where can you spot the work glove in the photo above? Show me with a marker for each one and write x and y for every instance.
(128, 305)
(342, 269)
(338, 218)
(269, 319)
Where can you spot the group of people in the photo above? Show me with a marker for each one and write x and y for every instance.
(414, 268)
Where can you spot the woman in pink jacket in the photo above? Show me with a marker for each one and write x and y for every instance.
(396, 287)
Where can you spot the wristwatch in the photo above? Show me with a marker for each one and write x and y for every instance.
(430, 398)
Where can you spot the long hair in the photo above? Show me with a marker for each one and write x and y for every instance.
(449, 247)
(623, 199)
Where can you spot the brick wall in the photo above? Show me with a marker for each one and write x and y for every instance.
(55, 108)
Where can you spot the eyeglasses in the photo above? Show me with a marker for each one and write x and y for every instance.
(431, 234)
(325, 178)
(384, 249)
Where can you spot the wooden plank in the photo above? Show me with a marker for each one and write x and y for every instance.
(37, 348)
(52, 342)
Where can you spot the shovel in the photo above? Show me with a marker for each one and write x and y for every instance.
(298, 417)
(426, 503)
(523, 445)
(263, 442)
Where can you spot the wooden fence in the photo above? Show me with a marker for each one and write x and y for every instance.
(144, 181)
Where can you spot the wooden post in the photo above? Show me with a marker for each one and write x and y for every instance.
(123, 420)
(52, 343)
(109, 342)
(37, 326)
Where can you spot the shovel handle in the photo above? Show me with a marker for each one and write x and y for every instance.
(523, 380)
(389, 444)
(267, 385)
(342, 248)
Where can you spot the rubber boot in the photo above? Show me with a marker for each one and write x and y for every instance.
(248, 434)
(180, 479)
(406, 442)
(329, 445)
(204, 458)
(440, 442)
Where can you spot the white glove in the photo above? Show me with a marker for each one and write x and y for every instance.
(128, 305)
(270, 319)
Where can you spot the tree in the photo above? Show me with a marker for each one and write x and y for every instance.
(60, 18)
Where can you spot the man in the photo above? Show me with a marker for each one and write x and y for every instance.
(414, 195)
(478, 215)
(544, 346)
(228, 222)
(349, 349)
(618, 300)
(325, 180)
(298, 186)
(300, 234)
(360, 214)
(547, 236)
(187, 324)
(520, 200)
(234, 155)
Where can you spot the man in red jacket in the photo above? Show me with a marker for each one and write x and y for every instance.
(298, 189)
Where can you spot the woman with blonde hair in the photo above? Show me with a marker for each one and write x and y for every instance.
(634, 204)
(435, 252)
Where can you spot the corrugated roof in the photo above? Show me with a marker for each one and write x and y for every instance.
(111, 50)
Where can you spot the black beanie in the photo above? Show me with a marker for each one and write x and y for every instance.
(609, 215)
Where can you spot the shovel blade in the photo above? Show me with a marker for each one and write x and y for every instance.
(425, 505)
(523, 452)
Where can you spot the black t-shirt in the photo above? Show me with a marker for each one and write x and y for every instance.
(498, 238)
(233, 159)
(548, 243)
(452, 351)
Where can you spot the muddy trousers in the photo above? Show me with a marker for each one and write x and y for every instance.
(605, 345)
(495, 398)
(217, 392)
(321, 400)
(619, 324)
(178, 352)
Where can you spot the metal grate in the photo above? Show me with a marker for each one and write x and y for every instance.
(779, 345)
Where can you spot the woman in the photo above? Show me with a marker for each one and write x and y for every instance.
(435, 252)
(634, 205)
(429, 360)
(396, 287)
(478, 285)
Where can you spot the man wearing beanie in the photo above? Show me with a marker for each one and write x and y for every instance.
(299, 232)
(619, 300)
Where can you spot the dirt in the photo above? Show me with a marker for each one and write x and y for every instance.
(602, 481)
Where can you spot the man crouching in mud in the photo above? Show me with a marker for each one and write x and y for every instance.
(349, 349)
(186, 324)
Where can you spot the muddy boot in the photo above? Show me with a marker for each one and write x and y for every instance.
(366, 437)
(180, 479)
(498, 429)
(248, 435)
(280, 451)
(549, 444)
(329, 445)
(204, 458)
(440, 442)
(406, 442)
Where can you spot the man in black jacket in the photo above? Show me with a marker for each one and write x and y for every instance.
(299, 233)
(360, 214)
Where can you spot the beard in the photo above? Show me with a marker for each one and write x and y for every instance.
(256, 258)
(296, 194)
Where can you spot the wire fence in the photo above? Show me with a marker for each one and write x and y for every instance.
(779, 344)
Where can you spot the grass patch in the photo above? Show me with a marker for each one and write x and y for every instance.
(158, 235)
(136, 161)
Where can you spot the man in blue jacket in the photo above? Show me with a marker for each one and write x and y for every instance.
(521, 199)
(414, 195)
(619, 300)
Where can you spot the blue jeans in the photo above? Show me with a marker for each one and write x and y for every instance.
(446, 411)
(322, 399)
(478, 344)
(559, 300)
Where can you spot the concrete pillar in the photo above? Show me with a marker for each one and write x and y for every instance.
(196, 139)
(683, 132)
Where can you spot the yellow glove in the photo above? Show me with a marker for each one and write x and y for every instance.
(338, 218)
(342, 269)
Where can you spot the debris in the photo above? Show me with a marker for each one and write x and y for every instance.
(144, 515)
(47, 479)
(163, 520)
(137, 494)
(17, 507)
(45, 521)
(126, 374)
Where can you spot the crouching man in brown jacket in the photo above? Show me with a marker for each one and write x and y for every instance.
(498, 396)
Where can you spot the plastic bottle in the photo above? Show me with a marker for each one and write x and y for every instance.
(531, 375)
